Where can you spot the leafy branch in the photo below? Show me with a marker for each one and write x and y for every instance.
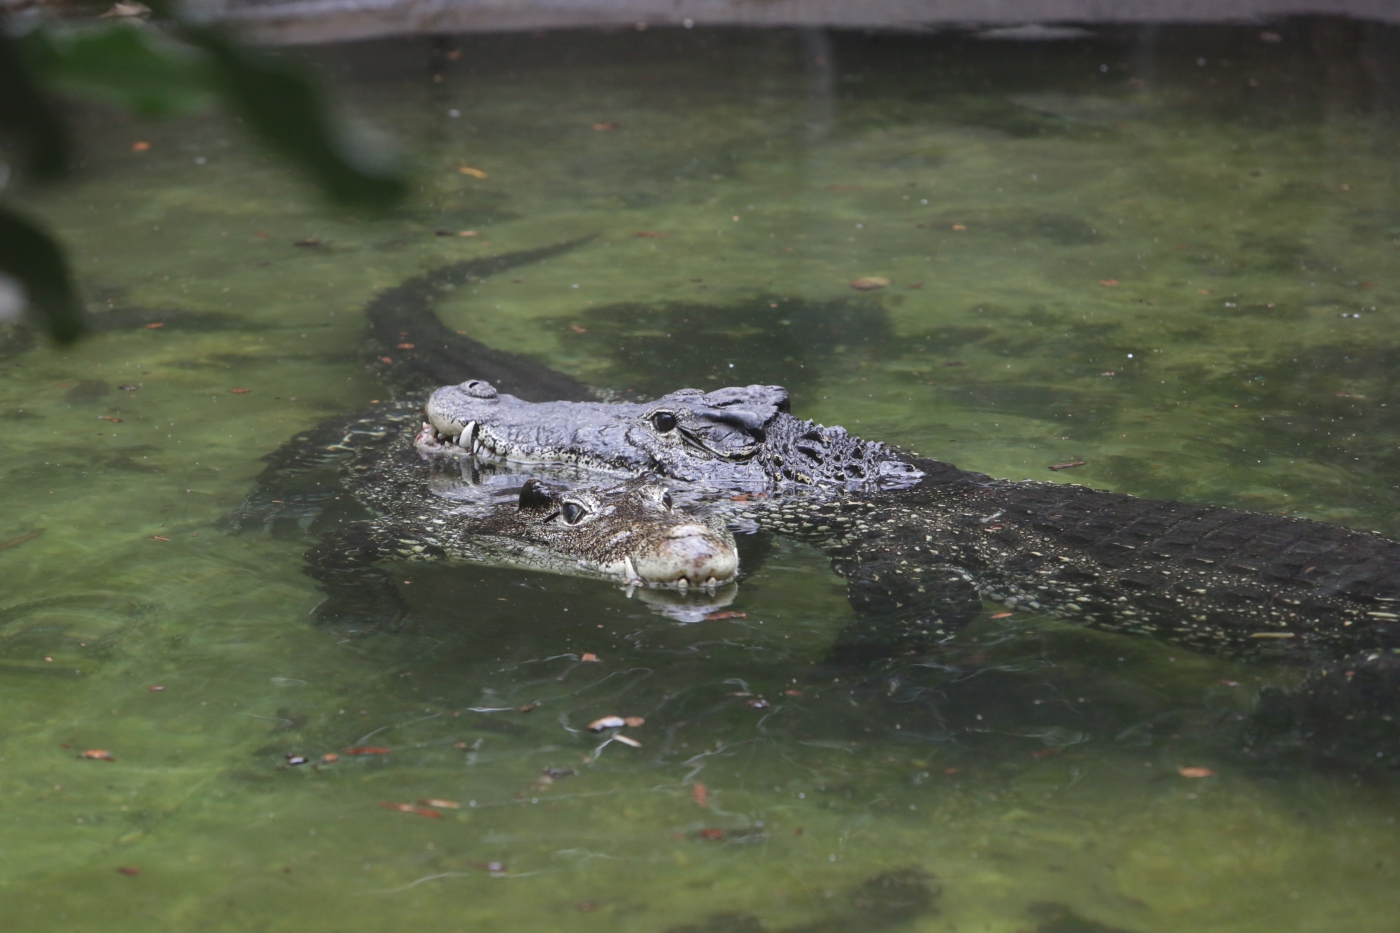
(168, 66)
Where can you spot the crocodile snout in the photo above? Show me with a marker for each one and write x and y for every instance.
(689, 555)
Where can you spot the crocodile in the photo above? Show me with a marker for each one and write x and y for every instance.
(922, 544)
(629, 532)
(930, 541)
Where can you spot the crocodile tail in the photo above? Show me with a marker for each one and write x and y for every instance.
(413, 351)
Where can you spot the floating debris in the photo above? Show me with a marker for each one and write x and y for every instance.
(712, 834)
(367, 750)
(98, 754)
(869, 283)
(701, 794)
(441, 804)
(1073, 463)
(130, 870)
(607, 722)
(473, 172)
(1195, 772)
(589, 657)
(627, 740)
(410, 808)
(495, 868)
(296, 759)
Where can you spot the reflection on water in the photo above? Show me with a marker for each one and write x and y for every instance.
(1164, 252)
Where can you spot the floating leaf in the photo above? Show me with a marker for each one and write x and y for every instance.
(410, 808)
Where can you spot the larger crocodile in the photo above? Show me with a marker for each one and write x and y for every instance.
(921, 543)
(926, 540)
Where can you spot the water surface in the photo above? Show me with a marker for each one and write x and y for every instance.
(1167, 253)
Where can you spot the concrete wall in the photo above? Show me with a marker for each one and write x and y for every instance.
(302, 21)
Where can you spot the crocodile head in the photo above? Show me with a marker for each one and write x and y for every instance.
(737, 437)
(630, 533)
(690, 435)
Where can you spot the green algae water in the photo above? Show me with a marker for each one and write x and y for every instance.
(1166, 255)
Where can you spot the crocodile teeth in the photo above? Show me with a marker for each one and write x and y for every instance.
(467, 439)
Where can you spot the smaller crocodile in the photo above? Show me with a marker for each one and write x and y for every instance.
(629, 532)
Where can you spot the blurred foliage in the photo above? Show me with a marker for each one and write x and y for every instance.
(135, 67)
(157, 69)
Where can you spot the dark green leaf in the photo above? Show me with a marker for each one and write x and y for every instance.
(134, 66)
(280, 104)
(32, 257)
(28, 117)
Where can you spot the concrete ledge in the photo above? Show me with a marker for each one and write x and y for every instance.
(306, 21)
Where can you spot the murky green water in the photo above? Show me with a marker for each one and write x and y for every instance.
(1167, 253)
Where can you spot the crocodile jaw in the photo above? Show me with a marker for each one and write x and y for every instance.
(691, 555)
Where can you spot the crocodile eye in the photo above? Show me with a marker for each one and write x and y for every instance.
(573, 513)
(664, 421)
